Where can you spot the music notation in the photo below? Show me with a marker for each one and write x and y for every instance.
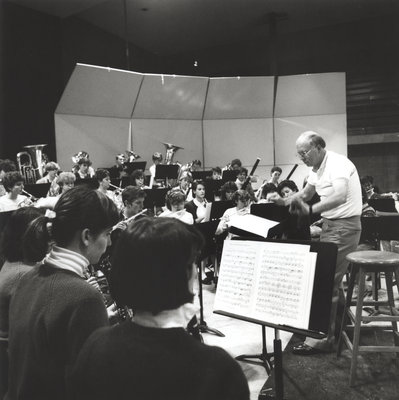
(267, 281)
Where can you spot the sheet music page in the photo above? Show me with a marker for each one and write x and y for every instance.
(272, 282)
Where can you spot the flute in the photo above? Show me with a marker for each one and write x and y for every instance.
(128, 220)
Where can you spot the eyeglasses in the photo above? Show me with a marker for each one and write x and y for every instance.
(303, 154)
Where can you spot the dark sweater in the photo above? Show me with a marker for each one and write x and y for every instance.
(52, 313)
(129, 361)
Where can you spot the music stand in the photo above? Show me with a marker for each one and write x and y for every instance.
(37, 190)
(166, 172)
(155, 197)
(201, 175)
(219, 207)
(207, 229)
(129, 167)
(319, 310)
(229, 175)
(211, 188)
(383, 204)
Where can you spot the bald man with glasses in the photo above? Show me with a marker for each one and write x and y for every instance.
(335, 179)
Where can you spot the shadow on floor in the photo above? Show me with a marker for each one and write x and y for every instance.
(326, 377)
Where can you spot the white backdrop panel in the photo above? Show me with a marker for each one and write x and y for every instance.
(148, 136)
(244, 97)
(331, 127)
(171, 97)
(245, 139)
(102, 138)
(99, 91)
(313, 94)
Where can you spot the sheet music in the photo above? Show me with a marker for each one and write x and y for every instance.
(272, 282)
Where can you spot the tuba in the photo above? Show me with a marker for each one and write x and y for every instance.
(31, 162)
(170, 152)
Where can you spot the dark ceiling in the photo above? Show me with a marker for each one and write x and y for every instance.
(178, 26)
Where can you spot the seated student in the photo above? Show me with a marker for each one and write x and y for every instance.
(5, 166)
(152, 356)
(54, 308)
(185, 185)
(175, 199)
(197, 206)
(65, 181)
(14, 184)
(234, 165)
(85, 171)
(216, 173)
(137, 179)
(287, 188)
(51, 169)
(156, 159)
(241, 178)
(266, 193)
(16, 265)
(227, 191)
(275, 174)
(242, 200)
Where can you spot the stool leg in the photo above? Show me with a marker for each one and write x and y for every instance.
(374, 288)
(391, 301)
(356, 331)
(349, 293)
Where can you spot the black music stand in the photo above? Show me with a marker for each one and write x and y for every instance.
(383, 204)
(201, 175)
(155, 197)
(229, 175)
(129, 167)
(166, 172)
(37, 190)
(211, 188)
(207, 230)
(319, 311)
(219, 207)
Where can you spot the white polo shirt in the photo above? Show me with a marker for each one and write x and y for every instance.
(336, 166)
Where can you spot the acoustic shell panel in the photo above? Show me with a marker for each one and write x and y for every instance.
(240, 97)
(245, 139)
(149, 134)
(101, 137)
(98, 91)
(331, 127)
(312, 94)
(171, 97)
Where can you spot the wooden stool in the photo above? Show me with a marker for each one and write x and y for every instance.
(363, 262)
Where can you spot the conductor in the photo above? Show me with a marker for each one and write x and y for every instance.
(335, 179)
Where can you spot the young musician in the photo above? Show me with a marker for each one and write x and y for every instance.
(51, 169)
(104, 180)
(275, 173)
(65, 181)
(152, 356)
(287, 188)
(197, 206)
(242, 200)
(85, 170)
(227, 191)
(156, 159)
(54, 308)
(5, 166)
(16, 265)
(14, 184)
(175, 207)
